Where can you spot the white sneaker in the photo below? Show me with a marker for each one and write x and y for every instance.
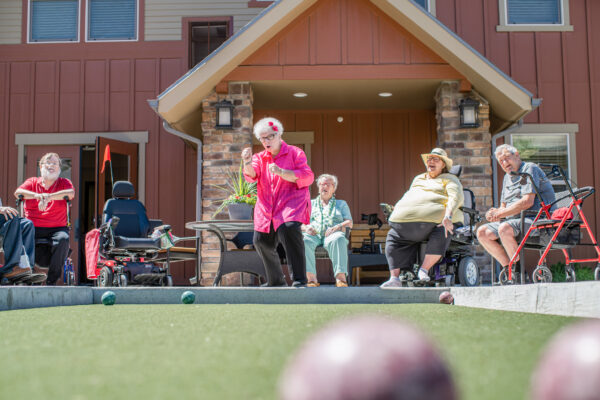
(392, 283)
(423, 275)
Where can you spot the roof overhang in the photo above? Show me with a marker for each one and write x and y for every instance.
(179, 104)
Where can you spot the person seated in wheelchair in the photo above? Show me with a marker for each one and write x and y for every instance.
(17, 238)
(426, 212)
(46, 207)
(498, 237)
(329, 219)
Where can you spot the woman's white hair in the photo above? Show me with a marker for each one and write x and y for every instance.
(330, 177)
(268, 125)
(505, 147)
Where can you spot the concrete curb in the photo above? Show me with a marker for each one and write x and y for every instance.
(579, 299)
(18, 297)
(254, 295)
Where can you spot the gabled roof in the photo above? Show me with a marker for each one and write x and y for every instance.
(509, 101)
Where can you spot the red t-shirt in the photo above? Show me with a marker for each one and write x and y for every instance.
(55, 215)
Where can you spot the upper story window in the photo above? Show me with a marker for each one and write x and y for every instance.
(53, 20)
(206, 37)
(534, 15)
(112, 19)
(428, 5)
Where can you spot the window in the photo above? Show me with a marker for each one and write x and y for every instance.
(428, 5)
(551, 144)
(112, 19)
(206, 37)
(53, 20)
(534, 15)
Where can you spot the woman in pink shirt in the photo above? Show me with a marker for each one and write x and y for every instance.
(283, 178)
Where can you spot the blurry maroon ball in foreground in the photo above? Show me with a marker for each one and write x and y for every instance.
(367, 357)
(446, 298)
(569, 368)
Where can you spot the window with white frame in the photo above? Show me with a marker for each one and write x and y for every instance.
(534, 15)
(550, 148)
(53, 20)
(112, 20)
(428, 5)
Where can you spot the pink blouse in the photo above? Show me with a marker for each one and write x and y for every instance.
(278, 200)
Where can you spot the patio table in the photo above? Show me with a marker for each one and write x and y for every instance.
(230, 260)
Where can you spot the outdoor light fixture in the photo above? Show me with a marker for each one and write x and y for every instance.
(300, 94)
(469, 113)
(224, 114)
(385, 94)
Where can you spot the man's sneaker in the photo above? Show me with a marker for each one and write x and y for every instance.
(298, 284)
(17, 272)
(392, 283)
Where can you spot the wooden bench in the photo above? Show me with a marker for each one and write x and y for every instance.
(363, 265)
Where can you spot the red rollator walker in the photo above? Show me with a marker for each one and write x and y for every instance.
(563, 232)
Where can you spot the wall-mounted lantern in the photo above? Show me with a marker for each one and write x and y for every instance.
(224, 114)
(469, 113)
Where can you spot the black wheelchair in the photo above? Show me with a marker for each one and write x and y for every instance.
(458, 262)
(129, 243)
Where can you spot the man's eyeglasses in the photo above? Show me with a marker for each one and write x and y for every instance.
(267, 138)
(51, 163)
(435, 159)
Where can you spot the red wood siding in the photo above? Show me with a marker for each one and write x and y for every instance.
(100, 87)
(562, 68)
(342, 32)
(375, 155)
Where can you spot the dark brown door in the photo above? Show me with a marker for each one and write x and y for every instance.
(70, 156)
(124, 160)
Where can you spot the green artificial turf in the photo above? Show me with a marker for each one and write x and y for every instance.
(238, 351)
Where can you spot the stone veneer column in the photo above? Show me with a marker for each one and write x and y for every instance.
(221, 151)
(469, 147)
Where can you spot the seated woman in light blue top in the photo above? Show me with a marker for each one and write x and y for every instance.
(329, 219)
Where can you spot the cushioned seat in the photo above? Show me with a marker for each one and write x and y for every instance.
(569, 222)
(131, 243)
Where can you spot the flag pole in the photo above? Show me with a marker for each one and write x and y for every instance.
(112, 179)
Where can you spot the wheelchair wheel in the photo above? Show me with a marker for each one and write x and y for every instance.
(468, 272)
(105, 279)
(570, 272)
(542, 274)
(123, 281)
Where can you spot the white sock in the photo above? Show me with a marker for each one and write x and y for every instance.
(394, 278)
(423, 274)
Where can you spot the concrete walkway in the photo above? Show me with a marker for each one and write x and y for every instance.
(571, 299)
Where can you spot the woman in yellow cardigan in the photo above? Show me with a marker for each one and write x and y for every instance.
(426, 212)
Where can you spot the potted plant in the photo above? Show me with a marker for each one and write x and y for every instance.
(240, 195)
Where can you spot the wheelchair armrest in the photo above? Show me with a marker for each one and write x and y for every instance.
(348, 230)
(470, 211)
(154, 223)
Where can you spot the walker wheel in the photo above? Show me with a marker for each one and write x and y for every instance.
(123, 281)
(503, 277)
(597, 273)
(570, 272)
(542, 274)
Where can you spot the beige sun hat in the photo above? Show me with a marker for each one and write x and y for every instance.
(441, 153)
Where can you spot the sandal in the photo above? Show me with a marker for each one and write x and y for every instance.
(313, 284)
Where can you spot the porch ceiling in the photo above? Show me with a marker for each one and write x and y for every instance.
(345, 94)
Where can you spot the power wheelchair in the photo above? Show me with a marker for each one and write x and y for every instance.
(123, 250)
(458, 262)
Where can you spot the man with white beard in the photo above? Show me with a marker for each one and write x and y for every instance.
(46, 208)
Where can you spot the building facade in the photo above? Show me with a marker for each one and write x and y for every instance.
(73, 71)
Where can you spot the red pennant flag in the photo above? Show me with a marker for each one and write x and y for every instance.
(106, 157)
